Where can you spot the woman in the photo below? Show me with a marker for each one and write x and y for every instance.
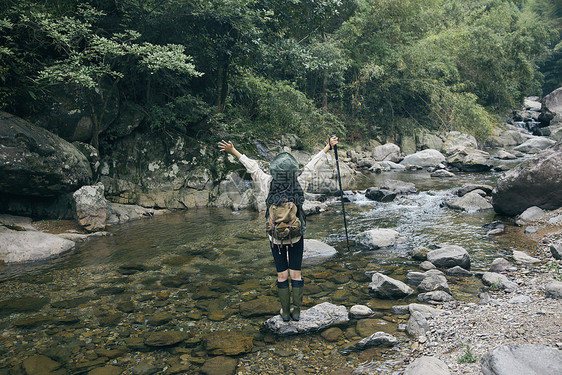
(284, 189)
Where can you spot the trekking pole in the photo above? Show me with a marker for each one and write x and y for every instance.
(341, 193)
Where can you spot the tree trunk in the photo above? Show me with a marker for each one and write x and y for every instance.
(324, 91)
(222, 75)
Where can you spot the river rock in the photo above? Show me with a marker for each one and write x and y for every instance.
(442, 173)
(122, 213)
(436, 297)
(456, 140)
(467, 188)
(509, 138)
(164, 339)
(470, 160)
(399, 187)
(426, 310)
(498, 282)
(534, 145)
(424, 158)
(458, 271)
(92, 209)
(313, 207)
(40, 365)
(389, 151)
(378, 238)
(314, 319)
(426, 266)
(17, 223)
(416, 278)
(553, 289)
(332, 334)
(17, 247)
(553, 101)
(522, 360)
(471, 202)
(360, 312)
(522, 257)
(420, 253)
(389, 165)
(427, 366)
(228, 343)
(556, 251)
(417, 325)
(449, 256)
(385, 287)
(504, 155)
(317, 250)
(380, 195)
(434, 282)
(501, 265)
(35, 162)
(529, 215)
(219, 366)
(430, 141)
(377, 339)
(263, 305)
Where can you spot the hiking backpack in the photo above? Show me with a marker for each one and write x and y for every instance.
(283, 223)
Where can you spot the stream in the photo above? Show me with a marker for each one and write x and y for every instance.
(193, 271)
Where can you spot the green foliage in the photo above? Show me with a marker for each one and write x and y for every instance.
(275, 107)
(182, 114)
(556, 270)
(467, 357)
(88, 58)
(361, 68)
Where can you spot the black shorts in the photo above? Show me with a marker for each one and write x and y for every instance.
(288, 256)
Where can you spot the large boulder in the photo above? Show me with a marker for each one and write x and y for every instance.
(35, 162)
(449, 256)
(314, 319)
(378, 238)
(389, 152)
(534, 145)
(417, 325)
(508, 138)
(386, 287)
(18, 246)
(92, 209)
(456, 140)
(399, 187)
(431, 141)
(315, 250)
(424, 158)
(469, 159)
(498, 281)
(552, 103)
(534, 182)
(522, 360)
(470, 202)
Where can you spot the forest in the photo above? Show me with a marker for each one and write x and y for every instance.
(361, 68)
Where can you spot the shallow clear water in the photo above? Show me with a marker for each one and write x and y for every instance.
(227, 251)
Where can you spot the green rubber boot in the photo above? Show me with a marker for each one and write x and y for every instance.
(285, 299)
(298, 286)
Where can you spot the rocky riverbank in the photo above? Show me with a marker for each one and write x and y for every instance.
(461, 334)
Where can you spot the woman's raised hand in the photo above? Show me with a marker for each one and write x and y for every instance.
(331, 143)
(229, 147)
(226, 146)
